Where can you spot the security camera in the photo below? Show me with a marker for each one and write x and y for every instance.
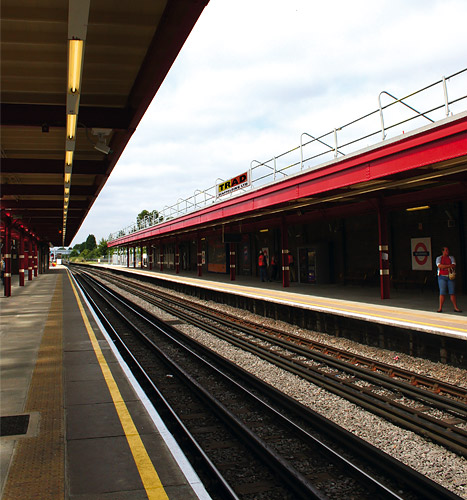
(102, 134)
(102, 147)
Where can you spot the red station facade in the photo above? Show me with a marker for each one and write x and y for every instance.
(379, 217)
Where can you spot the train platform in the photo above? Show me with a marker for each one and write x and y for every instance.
(411, 308)
(407, 322)
(74, 423)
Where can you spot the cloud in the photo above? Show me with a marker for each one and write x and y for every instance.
(253, 76)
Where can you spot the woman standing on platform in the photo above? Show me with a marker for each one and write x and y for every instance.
(263, 266)
(446, 263)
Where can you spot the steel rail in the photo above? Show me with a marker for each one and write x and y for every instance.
(393, 372)
(156, 397)
(298, 483)
(444, 433)
(413, 479)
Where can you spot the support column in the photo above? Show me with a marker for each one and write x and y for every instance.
(161, 258)
(44, 254)
(150, 256)
(35, 258)
(383, 253)
(26, 259)
(200, 257)
(233, 261)
(285, 255)
(142, 265)
(46, 258)
(22, 263)
(134, 257)
(177, 258)
(127, 256)
(7, 259)
(39, 259)
(30, 259)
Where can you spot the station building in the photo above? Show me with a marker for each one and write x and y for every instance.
(377, 217)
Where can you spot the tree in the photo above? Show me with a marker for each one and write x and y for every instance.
(153, 218)
(102, 247)
(85, 254)
(140, 218)
(91, 242)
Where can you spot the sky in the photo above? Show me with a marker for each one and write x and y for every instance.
(255, 74)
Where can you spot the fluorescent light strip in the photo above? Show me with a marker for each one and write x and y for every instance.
(71, 126)
(75, 58)
(413, 209)
(69, 157)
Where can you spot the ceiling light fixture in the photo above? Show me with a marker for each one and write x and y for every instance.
(68, 157)
(78, 16)
(75, 59)
(70, 126)
(413, 209)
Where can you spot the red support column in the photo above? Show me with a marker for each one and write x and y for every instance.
(161, 258)
(26, 258)
(142, 258)
(127, 256)
(177, 258)
(30, 259)
(200, 258)
(233, 261)
(22, 261)
(7, 260)
(150, 255)
(35, 259)
(134, 257)
(285, 255)
(383, 253)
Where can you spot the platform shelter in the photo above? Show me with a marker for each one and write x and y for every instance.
(378, 216)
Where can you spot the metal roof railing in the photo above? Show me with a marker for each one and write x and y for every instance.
(357, 134)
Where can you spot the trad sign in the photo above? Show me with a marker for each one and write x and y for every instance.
(238, 182)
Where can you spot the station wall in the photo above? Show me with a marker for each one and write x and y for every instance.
(340, 250)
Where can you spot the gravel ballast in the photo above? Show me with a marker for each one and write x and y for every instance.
(436, 462)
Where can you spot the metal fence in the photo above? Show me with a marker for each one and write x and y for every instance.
(441, 99)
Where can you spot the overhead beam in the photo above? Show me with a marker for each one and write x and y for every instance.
(23, 205)
(45, 166)
(35, 115)
(45, 190)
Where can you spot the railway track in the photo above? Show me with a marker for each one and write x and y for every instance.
(255, 442)
(429, 407)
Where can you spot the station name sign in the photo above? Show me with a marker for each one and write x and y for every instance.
(238, 182)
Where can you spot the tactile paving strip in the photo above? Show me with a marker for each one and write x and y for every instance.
(37, 468)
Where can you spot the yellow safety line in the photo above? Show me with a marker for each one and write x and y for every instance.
(329, 305)
(324, 304)
(147, 472)
(382, 316)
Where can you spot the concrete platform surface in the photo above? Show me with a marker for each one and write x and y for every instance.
(91, 433)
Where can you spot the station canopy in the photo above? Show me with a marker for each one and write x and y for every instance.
(76, 79)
